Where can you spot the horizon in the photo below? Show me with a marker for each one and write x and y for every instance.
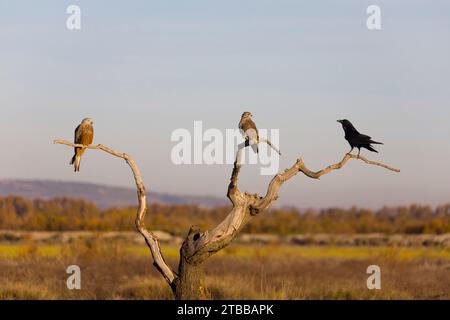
(254, 150)
(206, 196)
(142, 70)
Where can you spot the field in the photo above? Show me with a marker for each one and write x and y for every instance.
(119, 269)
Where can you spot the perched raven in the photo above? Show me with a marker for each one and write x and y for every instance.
(356, 139)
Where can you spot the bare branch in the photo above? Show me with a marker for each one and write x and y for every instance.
(246, 205)
(198, 246)
(267, 141)
(150, 238)
(299, 166)
(316, 175)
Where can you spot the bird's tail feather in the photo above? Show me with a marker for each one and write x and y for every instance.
(77, 163)
(371, 149)
(376, 142)
(78, 152)
(76, 159)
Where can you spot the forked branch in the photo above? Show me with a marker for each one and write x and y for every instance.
(272, 191)
(150, 238)
(198, 246)
(246, 205)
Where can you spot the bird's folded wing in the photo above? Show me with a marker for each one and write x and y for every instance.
(363, 136)
(367, 139)
(77, 138)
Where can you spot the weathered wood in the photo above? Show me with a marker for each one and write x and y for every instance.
(188, 284)
(150, 238)
(246, 205)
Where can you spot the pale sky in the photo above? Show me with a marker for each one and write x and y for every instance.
(142, 69)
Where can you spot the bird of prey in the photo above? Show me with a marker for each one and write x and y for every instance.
(249, 131)
(84, 134)
(356, 139)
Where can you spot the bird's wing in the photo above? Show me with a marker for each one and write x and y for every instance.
(368, 139)
(363, 136)
(78, 134)
(241, 128)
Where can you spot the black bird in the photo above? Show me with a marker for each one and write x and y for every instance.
(356, 139)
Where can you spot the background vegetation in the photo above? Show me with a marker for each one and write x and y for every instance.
(326, 257)
(120, 270)
(63, 214)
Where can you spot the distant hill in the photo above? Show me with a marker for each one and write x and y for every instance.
(103, 196)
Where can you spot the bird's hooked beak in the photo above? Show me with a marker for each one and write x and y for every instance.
(340, 121)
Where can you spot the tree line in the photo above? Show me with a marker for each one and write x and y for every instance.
(66, 214)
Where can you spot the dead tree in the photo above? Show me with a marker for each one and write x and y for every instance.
(188, 282)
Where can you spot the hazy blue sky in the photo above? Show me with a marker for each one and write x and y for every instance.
(141, 69)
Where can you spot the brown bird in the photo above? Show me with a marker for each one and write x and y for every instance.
(249, 131)
(84, 134)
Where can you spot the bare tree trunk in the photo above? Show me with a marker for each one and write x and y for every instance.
(188, 283)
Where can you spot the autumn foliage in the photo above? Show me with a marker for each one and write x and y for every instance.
(62, 214)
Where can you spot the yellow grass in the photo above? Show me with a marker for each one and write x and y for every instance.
(14, 251)
(118, 270)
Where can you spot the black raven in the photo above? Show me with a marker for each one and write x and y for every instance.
(356, 139)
